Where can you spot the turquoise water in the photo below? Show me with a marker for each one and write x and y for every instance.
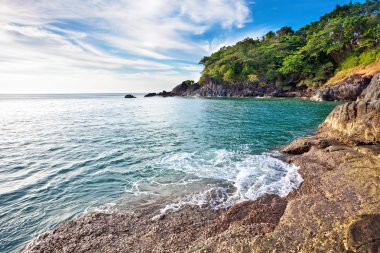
(61, 155)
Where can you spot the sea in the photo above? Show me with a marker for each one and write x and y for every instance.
(63, 155)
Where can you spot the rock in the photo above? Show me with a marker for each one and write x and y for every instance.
(181, 231)
(150, 95)
(161, 94)
(323, 143)
(348, 90)
(214, 88)
(363, 235)
(372, 93)
(185, 89)
(356, 122)
(166, 94)
(298, 147)
(129, 96)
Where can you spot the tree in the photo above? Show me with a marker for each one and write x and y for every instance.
(292, 64)
(284, 31)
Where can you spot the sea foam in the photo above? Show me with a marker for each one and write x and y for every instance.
(248, 176)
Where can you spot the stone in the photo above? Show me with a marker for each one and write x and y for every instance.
(357, 122)
(150, 95)
(363, 234)
(348, 90)
(298, 147)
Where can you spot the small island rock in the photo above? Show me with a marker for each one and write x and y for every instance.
(150, 95)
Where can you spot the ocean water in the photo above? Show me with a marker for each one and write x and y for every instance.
(62, 155)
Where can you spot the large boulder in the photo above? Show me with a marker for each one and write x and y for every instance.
(357, 122)
(372, 93)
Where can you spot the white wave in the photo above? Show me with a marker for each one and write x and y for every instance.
(135, 190)
(107, 208)
(250, 175)
(214, 198)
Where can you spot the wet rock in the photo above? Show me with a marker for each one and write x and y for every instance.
(184, 230)
(129, 96)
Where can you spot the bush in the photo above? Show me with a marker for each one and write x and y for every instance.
(202, 80)
(188, 82)
(253, 78)
(350, 62)
(367, 57)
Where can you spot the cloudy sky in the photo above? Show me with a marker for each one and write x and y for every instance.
(73, 46)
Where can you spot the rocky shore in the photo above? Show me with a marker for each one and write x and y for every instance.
(347, 90)
(336, 209)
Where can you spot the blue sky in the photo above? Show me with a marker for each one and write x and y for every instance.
(72, 46)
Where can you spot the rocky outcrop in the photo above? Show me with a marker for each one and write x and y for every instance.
(150, 95)
(161, 94)
(357, 122)
(348, 90)
(212, 88)
(166, 94)
(337, 207)
(129, 96)
(175, 232)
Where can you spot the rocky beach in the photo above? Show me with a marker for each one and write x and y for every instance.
(335, 209)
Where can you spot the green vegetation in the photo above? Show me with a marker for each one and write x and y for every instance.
(188, 82)
(347, 37)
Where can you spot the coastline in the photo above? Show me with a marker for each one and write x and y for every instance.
(336, 207)
(346, 90)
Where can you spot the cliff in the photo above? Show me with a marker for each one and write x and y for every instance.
(357, 122)
(213, 88)
(348, 89)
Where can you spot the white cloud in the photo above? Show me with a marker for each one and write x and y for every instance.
(218, 43)
(73, 44)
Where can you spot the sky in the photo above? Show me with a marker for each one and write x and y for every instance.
(112, 46)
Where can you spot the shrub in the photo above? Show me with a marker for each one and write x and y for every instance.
(350, 62)
(367, 57)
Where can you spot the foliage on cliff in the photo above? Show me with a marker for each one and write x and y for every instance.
(347, 37)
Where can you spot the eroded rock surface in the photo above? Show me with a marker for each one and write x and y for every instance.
(357, 122)
(175, 232)
(348, 90)
(213, 88)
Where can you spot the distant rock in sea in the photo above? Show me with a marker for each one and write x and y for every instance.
(166, 94)
(129, 96)
(161, 94)
(150, 95)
